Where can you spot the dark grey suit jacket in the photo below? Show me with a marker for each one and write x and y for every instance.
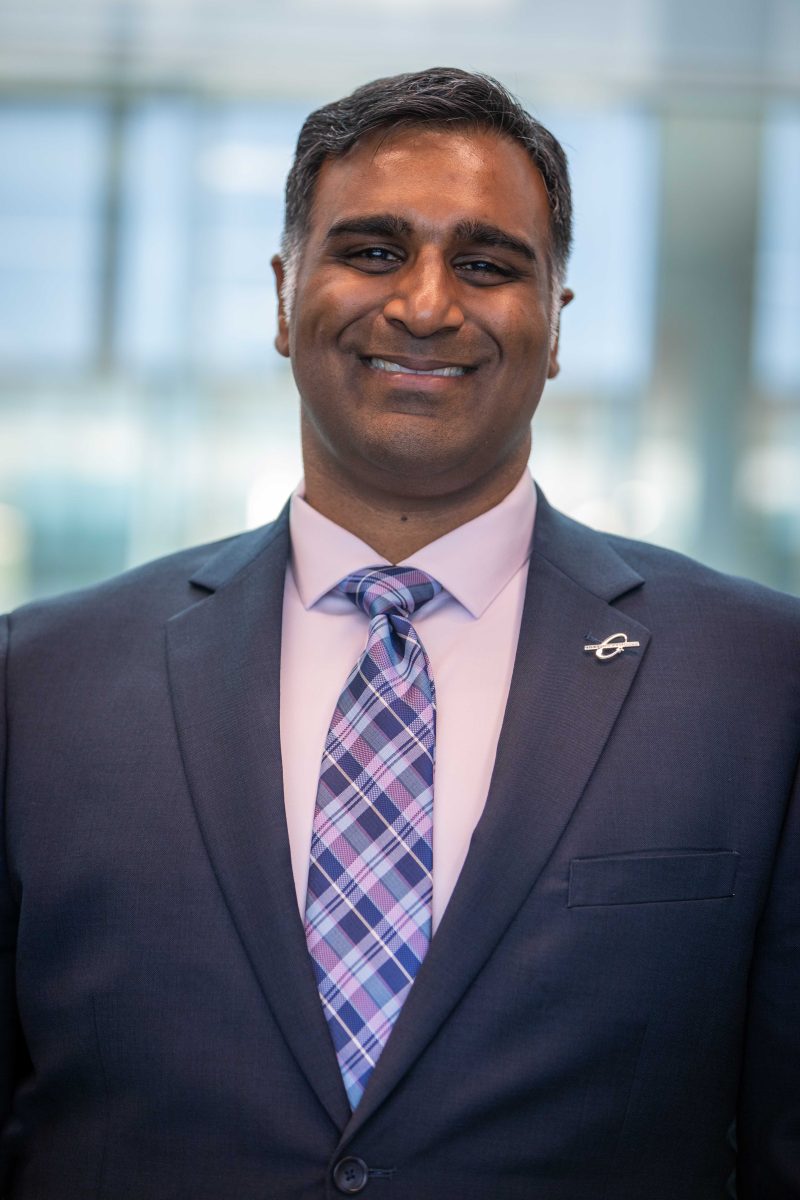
(615, 982)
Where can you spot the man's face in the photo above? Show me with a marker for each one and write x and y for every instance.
(420, 335)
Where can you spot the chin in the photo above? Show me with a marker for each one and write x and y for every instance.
(415, 471)
(407, 449)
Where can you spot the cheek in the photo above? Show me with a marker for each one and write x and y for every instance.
(525, 342)
(331, 306)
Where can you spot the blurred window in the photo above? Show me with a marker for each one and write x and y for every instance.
(607, 333)
(52, 164)
(203, 203)
(777, 306)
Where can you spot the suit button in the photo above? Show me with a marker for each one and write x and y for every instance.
(350, 1175)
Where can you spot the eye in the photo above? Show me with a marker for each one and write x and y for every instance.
(373, 258)
(483, 270)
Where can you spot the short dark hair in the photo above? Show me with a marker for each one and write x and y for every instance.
(438, 97)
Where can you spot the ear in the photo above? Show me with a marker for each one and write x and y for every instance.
(282, 336)
(566, 296)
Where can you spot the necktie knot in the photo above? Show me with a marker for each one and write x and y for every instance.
(389, 589)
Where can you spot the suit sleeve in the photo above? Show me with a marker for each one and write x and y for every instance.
(9, 1028)
(768, 1126)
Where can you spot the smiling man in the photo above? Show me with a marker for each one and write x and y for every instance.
(426, 306)
(424, 844)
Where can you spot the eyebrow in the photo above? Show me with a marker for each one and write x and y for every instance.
(380, 225)
(480, 233)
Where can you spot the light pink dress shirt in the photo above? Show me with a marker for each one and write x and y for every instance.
(469, 631)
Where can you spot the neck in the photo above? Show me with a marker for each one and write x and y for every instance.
(397, 526)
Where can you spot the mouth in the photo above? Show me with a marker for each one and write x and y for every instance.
(426, 368)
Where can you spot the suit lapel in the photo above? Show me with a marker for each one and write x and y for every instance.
(224, 667)
(561, 709)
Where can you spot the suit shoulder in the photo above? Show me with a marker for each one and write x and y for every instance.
(654, 580)
(679, 575)
(144, 594)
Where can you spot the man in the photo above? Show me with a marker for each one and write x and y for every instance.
(567, 964)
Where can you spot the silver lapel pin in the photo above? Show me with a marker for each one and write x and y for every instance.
(613, 645)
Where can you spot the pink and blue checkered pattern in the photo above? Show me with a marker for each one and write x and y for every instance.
(368, 906)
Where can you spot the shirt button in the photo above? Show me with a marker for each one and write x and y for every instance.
(350, 1175)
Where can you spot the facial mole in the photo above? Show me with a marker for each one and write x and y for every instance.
(404, 518)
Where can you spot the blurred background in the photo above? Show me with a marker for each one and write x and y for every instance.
(143, 149)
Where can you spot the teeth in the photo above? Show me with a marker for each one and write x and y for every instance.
(383, 364)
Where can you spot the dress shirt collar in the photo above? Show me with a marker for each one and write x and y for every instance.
(499, 540)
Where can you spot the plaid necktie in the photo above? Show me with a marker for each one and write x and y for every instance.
(368, 907)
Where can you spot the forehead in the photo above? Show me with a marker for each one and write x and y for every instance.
(435, 178)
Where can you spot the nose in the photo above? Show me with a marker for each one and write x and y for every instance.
(424, 298)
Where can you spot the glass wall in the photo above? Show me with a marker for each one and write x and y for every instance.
(143, 407)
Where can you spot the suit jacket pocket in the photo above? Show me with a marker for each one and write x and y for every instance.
(652, 876)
